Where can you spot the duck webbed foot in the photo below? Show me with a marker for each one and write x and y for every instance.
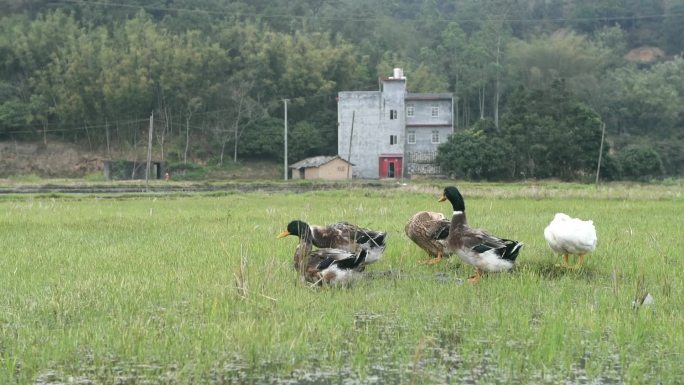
(434, 260)
(580, 260)
(475, 278)
(565, 261)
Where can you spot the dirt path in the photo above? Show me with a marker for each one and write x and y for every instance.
(187, 187)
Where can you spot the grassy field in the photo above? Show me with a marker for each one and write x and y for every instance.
(194, 288)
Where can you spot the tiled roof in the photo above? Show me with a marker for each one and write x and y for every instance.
(315, 161)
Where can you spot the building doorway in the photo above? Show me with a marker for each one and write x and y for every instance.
(390, 167)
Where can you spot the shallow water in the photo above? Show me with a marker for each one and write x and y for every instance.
(437, 360)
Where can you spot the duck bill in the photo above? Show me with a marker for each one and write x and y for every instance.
(442, 198)
(283, 234)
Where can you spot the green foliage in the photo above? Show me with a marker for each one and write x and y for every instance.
(94, 177)
(92, 72)
(673, 28)
(647, 101)
(304, 140)
(671, 152)
(640, 162)
(474, 154)
(186, 171)
(263, 140)
(551, 134)
(541, 60)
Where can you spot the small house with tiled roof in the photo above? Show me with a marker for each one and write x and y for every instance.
(322, 167)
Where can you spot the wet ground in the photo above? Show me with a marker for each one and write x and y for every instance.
(438, 365)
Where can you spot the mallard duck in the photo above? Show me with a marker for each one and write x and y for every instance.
(328, 266)
(429, 230)
(566, 235)
(475, 246)
(342, 235)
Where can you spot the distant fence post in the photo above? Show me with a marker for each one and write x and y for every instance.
(149, 152)
(598, 168)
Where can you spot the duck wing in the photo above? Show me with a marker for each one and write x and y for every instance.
(360, 235)
(342, 259)
(481, 241)
(337, 236)
(439, 230)
(428, 230)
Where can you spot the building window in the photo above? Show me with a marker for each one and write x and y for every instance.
(393, 139)
(435, 111)
(410, 110)
(411, 137)
(393, 114)
(435, 136)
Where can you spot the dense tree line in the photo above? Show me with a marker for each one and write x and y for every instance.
(533, 80)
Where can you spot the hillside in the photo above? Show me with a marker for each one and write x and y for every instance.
(64, 160)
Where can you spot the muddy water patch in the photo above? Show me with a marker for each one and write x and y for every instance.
(438, 357)
(438, 365)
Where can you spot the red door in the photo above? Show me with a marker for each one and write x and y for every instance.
(390, 167)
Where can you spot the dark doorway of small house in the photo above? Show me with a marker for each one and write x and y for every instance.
(390, 167)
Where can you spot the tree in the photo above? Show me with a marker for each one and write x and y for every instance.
(264, 140)
(647, 101)
(303, 141)
(539, 62)
(640, 162)
(451, 52)
(245, 112)
(475, 154)
(674, 28)
(551, 134)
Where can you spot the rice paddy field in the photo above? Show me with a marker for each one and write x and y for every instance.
(196, 289)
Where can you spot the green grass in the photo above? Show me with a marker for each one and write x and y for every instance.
(144, 290)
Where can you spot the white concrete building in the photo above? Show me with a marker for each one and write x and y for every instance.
(391, 133)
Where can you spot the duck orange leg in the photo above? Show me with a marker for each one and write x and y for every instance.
(434, 260)
(475, 278)
(580, 261)
(565, 261)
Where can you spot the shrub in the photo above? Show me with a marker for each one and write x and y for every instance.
(186, 171)
(640, 162)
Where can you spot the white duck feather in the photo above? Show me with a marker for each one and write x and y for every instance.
(571, 236)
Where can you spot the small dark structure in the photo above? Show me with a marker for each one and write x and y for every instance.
(126, 169)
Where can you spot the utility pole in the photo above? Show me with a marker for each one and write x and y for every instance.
(598, 168)
(351, 135)
(285, 139)
(149, 151)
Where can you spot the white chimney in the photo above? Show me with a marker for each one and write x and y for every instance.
(398, 73)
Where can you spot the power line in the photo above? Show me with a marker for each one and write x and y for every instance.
(40, 130)
(365, 19)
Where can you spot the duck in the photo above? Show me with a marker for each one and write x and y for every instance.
(342, 235)
(429, 230)
(328, 266)
(571, 236)
(477, 247)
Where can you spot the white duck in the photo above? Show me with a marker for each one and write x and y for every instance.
(566, 235)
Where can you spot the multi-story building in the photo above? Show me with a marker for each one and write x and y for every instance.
(391, 133)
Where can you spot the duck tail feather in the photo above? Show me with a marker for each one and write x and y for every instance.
(324, 264)
(372, 238)
(512, 250)
(351, 262)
